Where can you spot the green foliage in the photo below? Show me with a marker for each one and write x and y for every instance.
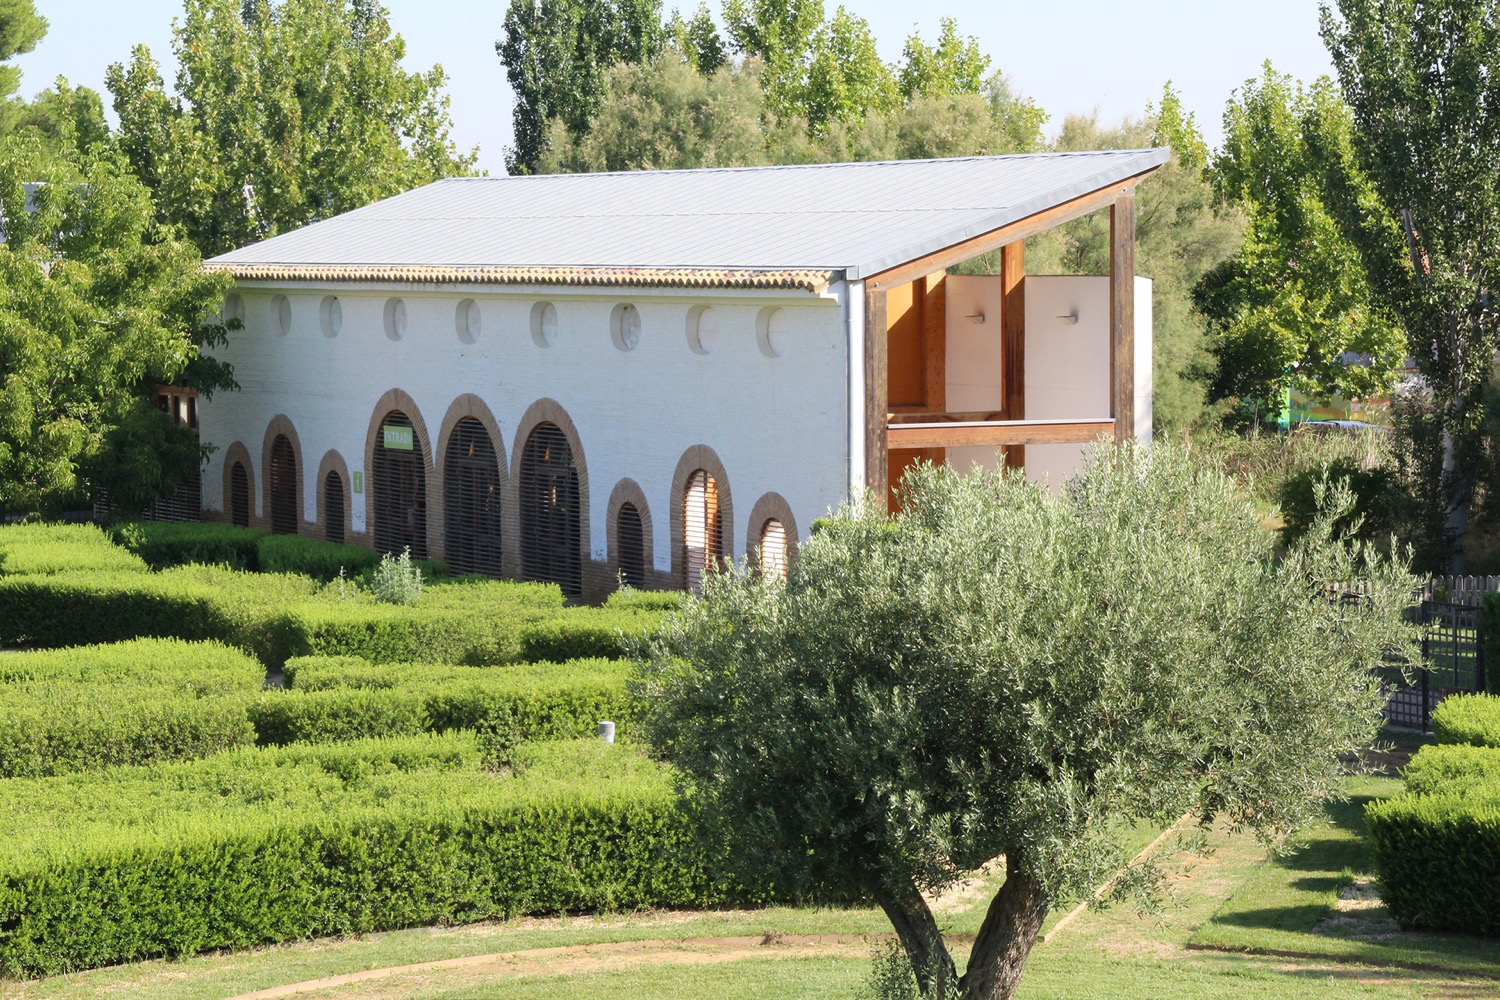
(96, 298)
(178, 543)
(1263, 464)
(260, 846)
(1468, 718)
(645, 600)
(780, 34)
(846, 79)
(39, 549)
(314, 557)
(609, 632)
(556, 55)
(1423, 85)
(20, 31)
(1455, 765)
(137, 702)
(953, 66)
(284, 112)
(1293, 301)
(1375, 492)
(396, 580)
(1000, 670)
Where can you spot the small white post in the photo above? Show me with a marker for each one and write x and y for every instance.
(607, 731)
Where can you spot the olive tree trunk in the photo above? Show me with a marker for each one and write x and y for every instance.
(919, 934)
(1005, 938)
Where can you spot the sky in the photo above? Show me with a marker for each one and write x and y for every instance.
(1067, 55)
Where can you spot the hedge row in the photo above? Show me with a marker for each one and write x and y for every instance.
(345, 698)
(254, 847)
(1468, 718)
(38, 549)
(587, 632)
(132, 703)
(1437, 844)
(164, 544)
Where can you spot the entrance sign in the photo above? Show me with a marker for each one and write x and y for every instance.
(397, 438)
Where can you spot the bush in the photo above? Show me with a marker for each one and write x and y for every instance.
(396, 580)
(178, 543)
(314, 557)
(1438, 857)
(1375, 493)
(40, 549)
(645, 600)
(131, 703)
(581, 633)
(340, 698)
(1452, 768)
(254, 847)
(1468, 718)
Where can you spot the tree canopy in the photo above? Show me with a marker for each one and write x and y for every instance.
(283, 113)
(1422, 81)
(998, 670)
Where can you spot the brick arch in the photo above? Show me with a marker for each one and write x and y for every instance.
(547, 411)
(771, 505)
(699, 456)
(334, 462)
(281, 424)
(237, 452)
(399, 399)
(629, 491)
(467, 406)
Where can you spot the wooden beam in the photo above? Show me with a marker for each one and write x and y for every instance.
(877, 460)
(997, 238)
(1013, 341)
(935, 339)
(1122, 313)
(997, 433)
(901, 415)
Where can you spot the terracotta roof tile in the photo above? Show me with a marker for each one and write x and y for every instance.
(635, 277)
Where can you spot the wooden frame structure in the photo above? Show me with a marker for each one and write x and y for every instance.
(895, 427)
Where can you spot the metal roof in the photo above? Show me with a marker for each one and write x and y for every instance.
(859, 218)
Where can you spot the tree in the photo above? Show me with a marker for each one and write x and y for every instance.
(779, 33)
(1422, 81)
(846, 80)
(998, 670)
(20, 31)
(557, 54)
(284, 113)
(953, 66)
(96, 298)
(1292, 305)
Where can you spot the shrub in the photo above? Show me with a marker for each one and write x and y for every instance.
(1438, 857)
(645, 600)
(1375, 493)
(581, 633)
(178, 543)
(1468, 718)
(1452, 768)
(39, 549)
(314, 557)
(253, 847)
(396, 580)
(130, 703)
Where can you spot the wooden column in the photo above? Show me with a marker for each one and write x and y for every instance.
(877, 395)
(1122, 313)
(1013, 341)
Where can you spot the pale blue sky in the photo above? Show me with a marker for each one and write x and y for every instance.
(1068, 55)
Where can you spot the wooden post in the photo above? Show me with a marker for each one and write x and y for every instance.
(877, 395)
(1013, 341)
(1122, 313)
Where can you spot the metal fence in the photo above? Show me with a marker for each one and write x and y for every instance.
(1452, 661)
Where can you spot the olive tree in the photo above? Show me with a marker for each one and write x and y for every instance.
(999, 670)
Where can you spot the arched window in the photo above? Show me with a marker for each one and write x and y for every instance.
(703, 534)
(471, 500)
(283, 486)
(239, 495)
(551, 530)
(773, 548)
(399, 487)
(630, 544)
(333, 507)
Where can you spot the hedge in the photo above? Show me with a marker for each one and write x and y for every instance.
(260, 846)
(132, 703)
(1438, 857)
(587, 632)
(38, 549)
(163, 544)
(646, 600)
(1468, 718)
(1452, 768)
(345, 698)
(314, 557)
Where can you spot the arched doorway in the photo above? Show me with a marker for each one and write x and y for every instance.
(630, 545)
(471, 500)
(703, 529)
(283, 486)
(239, 495)
(551, 531)
(773, 548)
(333, 506)
(399, 487)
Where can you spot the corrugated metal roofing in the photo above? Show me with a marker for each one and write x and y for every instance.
(859, 218)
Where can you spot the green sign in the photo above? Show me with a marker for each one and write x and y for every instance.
(397, 438)
(359, 482)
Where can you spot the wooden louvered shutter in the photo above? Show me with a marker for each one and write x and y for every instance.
(239, 495)
(399, 488)
(630, 546)
(283, 487)
(333, 507)
(773, 551)
(471, 500)
(702, 534)
(551, 531)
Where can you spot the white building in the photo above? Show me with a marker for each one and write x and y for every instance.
(585, 377)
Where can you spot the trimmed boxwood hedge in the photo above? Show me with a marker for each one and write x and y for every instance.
(1438, 858)
(582, 633)
(179, 543)
(132, 703)
(1468, 718)
(345, 698)
(38, 549)
(259, 846)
